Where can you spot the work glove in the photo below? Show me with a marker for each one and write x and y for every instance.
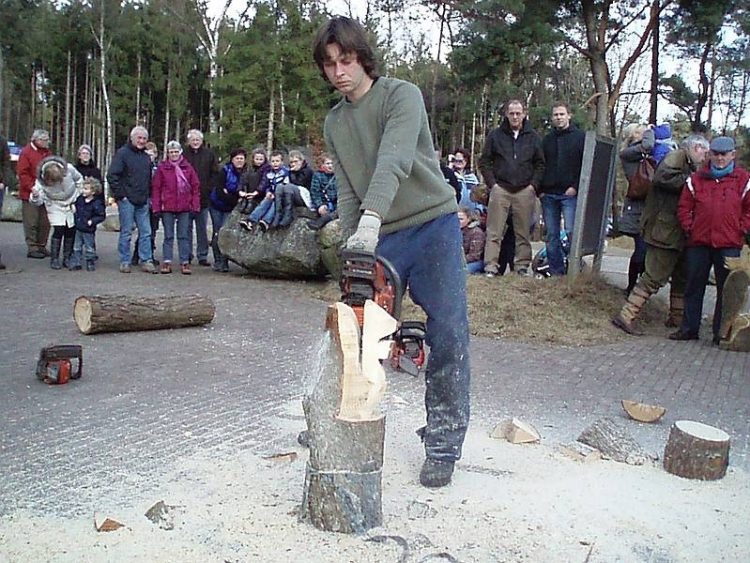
(365, 238)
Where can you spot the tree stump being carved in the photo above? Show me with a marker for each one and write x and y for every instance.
(696, 451)
(346, 430)
(122, 313)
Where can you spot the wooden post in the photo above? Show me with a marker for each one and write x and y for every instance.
(121, 313)
(342, 490)
(696, 451)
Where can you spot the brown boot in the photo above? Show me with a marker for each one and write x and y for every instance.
(676, 310)
(625, 319)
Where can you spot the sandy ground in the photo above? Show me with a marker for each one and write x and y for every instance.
(507, 503)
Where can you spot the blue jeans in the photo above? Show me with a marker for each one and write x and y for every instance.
(130, 216)
(429, 260)
(218, 218)
(698, 262)
(264, 212)
(553, 207)
(183, 235)
(201, 234)
(475, 267)
(84, 248)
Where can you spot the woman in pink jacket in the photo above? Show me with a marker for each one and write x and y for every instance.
(714, 212)
(176, 198)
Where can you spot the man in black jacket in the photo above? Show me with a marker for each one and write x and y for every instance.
(205, 163)
(129, 178)
(512, 165)
(563, 153)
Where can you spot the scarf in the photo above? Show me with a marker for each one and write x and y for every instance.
(717, 173)
(183, 186)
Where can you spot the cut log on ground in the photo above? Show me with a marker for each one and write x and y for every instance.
(643, 412)
(346, 431)
(516, 431)
(123, 313)
(696, 451)
(614, 441)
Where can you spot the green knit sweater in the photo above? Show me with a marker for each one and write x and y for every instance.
(384, 159)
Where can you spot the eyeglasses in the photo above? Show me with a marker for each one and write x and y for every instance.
(458, 160)
(721, 153)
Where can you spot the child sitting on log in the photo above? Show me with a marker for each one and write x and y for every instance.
(263, 215)
(89, 212)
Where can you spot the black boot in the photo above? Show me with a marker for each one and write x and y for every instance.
(320, 222)
(287, 210)
(54, 253)
(436, 473)
(67, 250)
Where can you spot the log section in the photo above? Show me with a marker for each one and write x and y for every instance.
(122, 313)
(343, 477)
(696, 451)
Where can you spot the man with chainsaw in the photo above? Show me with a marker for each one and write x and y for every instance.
(394, 198)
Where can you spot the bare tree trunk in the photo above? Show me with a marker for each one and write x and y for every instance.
(74, 117)
(138, 89)
(68, 142)
(711, 93)
(166, 113)
(87, 135)
(282, 104)
(103, 44)
(32, 115)
(271, 117)
(652, 115)
(436, 68)
(702, 89)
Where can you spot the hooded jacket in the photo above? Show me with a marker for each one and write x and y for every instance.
(168, 195)
(715, 212)
(512, 162)
(58, 199)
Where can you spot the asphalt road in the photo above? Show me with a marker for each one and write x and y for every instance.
(148, 399)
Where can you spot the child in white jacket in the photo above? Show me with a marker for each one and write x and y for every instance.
(57, 187)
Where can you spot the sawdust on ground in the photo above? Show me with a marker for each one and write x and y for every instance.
(508, 503)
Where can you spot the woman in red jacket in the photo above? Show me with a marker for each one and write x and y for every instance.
(714, 212)
(175, 197)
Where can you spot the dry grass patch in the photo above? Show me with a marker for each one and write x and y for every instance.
(549, 311)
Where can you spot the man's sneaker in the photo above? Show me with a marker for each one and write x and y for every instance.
(263, 226)
(436, 473)
(682, 335)
(204, 262)
(36, 254)
(124, 268)
(148, 267)
(245, 224)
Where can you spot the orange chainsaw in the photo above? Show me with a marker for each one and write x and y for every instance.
(366, 276)
(55, 365)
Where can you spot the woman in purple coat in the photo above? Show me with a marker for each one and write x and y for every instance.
(176, 198)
